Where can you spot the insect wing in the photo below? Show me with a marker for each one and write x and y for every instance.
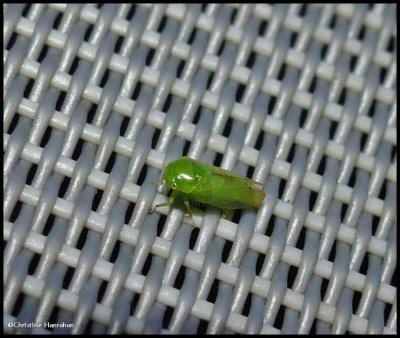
(227, 192)
(234, 176)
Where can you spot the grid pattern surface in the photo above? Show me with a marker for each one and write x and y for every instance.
(97, 99)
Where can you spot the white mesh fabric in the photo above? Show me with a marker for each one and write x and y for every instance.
(98, 98)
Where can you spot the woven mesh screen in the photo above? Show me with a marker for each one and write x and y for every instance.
(98, 98)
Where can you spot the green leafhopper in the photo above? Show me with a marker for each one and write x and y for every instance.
(199, 183)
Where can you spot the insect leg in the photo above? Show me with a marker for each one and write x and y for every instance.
(187, 205)
(227, 214)
(171, 200)
(159, 182)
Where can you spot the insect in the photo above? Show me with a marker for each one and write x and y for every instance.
(199, 183)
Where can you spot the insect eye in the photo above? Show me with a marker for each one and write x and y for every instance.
(174, 185)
